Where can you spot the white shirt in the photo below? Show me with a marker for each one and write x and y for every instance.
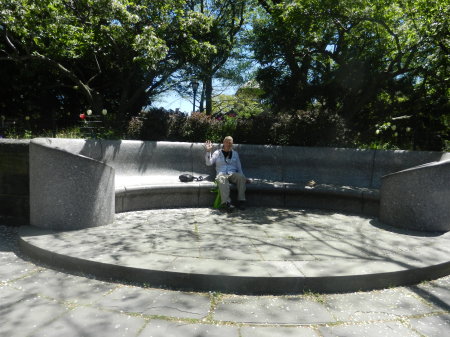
(224, 165)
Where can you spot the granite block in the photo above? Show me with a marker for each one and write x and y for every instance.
(417, 198)
(390, 161)
(69, 191)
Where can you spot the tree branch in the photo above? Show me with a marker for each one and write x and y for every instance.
(99, 70)
(87, 91)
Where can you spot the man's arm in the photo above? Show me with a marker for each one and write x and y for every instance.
(210, 157)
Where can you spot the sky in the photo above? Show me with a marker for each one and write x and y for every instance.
(172, 100)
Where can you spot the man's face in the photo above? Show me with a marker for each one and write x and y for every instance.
(227, 144)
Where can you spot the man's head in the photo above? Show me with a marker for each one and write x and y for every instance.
(227, 143)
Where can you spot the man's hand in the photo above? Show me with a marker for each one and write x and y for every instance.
(208, 146)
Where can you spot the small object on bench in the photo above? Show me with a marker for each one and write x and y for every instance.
(185, 178)
(311, 184)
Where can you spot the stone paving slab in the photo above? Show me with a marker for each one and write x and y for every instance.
(63, 287)
(159, 328)
(134, 311)
(157, 302)
(14, 269)
(389, 329)
(303, 249)
(278, 331)
(85, 321)
(27, 313)
(376, 305)
(437, 292)
(432, 325)
(273, 310)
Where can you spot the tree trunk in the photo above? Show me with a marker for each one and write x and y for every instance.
(208, 94)
(202, 98)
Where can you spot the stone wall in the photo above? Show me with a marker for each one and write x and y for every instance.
(14, 182)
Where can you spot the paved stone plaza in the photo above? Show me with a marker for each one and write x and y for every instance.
(257, 251)
(36, 300)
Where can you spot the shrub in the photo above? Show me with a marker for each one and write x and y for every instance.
(314, 127)
(221, 127)
(176, 123)
(198, 127)
(156, 124)
(258, 129)
(134, 129)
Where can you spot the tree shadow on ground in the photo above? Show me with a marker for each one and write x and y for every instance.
(378, 224)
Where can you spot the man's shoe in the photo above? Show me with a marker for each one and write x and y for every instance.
(227, 207)
(241, 204)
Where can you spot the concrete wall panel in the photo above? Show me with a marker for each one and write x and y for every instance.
(68, 191)
(417, 198)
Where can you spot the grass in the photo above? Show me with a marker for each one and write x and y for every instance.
(319, 298)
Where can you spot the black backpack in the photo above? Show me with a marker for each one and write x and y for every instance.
(186, 178)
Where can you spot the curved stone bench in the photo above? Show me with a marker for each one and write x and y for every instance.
(418, 198)
(78, 183)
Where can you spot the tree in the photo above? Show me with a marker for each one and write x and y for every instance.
(245, 103)
(227, 18)
(115, 54)
(353, 57)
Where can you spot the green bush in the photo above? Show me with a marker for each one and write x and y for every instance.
(256, 130)
(198, 127)
(134, 129)
(315, 127)
(176, 122)
(155, 124)
(302, 128)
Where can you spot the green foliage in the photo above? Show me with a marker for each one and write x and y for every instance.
(96, 54)
(176, 126)
(157, 124)
(199, 127)
(14, 133)
(321, 67)
(227, 19)
(303, 128)
(246, 103)
(135, 128)
(315, 127)
(368, 61)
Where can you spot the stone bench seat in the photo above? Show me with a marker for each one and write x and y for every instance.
(147, 192)
(86, 181)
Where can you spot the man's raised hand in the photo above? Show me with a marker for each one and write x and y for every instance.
(208, 146)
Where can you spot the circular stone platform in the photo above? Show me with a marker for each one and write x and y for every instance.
(255, 251)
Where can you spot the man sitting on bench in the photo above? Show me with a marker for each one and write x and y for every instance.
(229, 170)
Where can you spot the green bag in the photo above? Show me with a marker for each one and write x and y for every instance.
(218, 200)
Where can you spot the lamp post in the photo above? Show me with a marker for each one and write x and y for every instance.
(194, 88)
